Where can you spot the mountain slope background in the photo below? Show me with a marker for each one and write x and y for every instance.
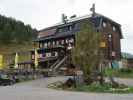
(14, 35)
(126, 55)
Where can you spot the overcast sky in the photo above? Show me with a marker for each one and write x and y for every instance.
(44, 13)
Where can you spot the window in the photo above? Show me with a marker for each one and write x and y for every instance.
(66, 28)
(63, 29)
(114, 28)
(57, 43)
(41, 45)
(71, 40)
(66, 41)
(70, 28)
(69, 46)
(104, 24)
(40, 55)
(56, 53)
(97, 30)
(53, 43)
(48, 54)
(62, 41)
(45, 45)
(43, 55)
(60, 30)
(52, 54)
(33, 56)
(49, 44)
(110, 37)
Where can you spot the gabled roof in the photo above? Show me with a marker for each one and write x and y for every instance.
(70, 21)
(56, 36)
(78, 19)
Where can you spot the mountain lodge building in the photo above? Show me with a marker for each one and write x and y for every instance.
(53, 42)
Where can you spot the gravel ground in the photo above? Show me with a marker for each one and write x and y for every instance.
(126, 81)
(36, 90)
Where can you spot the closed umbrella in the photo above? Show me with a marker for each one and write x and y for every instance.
(1, 62)
(36, 58)
(16, 61)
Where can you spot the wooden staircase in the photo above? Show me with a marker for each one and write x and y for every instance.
(53, 71)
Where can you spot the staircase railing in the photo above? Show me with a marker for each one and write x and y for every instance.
(57, 65)
(60, 63)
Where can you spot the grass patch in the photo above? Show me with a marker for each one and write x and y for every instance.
(123, 73)
(94, 87)
(105, 88)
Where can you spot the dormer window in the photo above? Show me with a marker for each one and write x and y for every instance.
(104, 24)
(63, 29)
(66, 28)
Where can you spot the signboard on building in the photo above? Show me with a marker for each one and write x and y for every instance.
(102, 44)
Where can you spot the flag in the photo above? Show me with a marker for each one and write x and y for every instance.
(16, 61)
(36, 58)
(1, 61)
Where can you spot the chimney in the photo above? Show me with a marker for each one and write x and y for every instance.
(93, 10)
(64, 18)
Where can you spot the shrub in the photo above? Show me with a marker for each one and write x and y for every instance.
(125, 70)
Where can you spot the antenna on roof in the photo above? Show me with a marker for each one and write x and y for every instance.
(64, 18)
(93, 10)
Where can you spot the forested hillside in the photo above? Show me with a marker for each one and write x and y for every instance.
(14, 31)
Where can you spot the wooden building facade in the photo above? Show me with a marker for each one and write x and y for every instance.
(53, 42)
